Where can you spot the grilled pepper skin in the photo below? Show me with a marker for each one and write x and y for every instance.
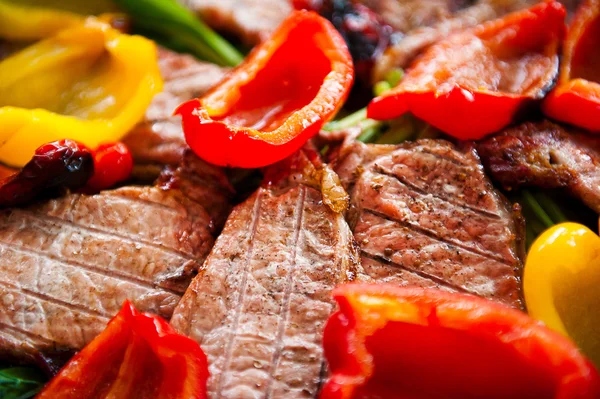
(278, 98)
(477, 81)
(576, 98)
(387, 341)
(560, 281)
(88, 83)
(137, 356)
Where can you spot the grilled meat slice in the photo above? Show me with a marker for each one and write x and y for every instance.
(425, 214)
(250, 20)
(159, 139)
(544, 154)
(260, 303)
(67, 265)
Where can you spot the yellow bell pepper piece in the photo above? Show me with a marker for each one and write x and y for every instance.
(561, 280)
(89, 83)
(23, 23)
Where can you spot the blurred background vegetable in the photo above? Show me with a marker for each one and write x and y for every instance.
(174, 25)
(560, 283)
(20, 382)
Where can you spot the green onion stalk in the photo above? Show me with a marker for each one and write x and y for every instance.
(178, 28)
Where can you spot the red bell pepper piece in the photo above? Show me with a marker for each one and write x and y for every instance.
(278, 98)
(137, 356)
(475, 82)
(412, 343)
(576, 98)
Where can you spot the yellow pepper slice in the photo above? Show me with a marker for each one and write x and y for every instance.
(88, 83)
(23, 23)
(561, 280)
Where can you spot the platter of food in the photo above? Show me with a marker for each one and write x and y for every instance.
(334, 199)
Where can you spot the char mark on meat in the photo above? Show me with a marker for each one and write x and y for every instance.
(159, 138)
(67, 265)
(425, 214)
(546, 155)
(259, 305)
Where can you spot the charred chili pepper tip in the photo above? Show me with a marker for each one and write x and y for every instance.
(278, 98)
(55, 166)
(469, 85)
(576, 98)
(137, 356)
(390, 342)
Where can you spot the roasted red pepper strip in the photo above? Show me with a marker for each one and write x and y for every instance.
(576, 98)
(411, 343)
(137, 356)
(475, 82)
(278, 98)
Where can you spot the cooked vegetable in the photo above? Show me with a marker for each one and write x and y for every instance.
(113, 163)
(179, 25)
(137, 356)
(576, 99)
(20, 383)
(561, 280)
(20, 22)
(476, 81)
(89, 83)
(396, 342)
(59, 165)
(282, 94)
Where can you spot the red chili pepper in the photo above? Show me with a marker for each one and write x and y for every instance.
(475, 82)
(411, 343)
(576, 98)
(137, 356)
(278, 98)
(55, 166)
(113, 163)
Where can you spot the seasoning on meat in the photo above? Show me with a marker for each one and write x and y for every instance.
(547, 155)
(159, 139)
(251, 20)
(68, 264)
(425, 214)
(260, 303)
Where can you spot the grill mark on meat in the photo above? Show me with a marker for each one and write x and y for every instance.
(96, 229)
(426, 276)
(433, 235)
(446, 199)
(94, 269)
(289, 285)
(242, 292)
(25, 333)
(56, 301)
(122, 197)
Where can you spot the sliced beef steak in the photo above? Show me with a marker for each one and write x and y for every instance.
(250, 20)
(159, 138)
(67, 265)
(424, 214)
(547, 155)
(259, 305)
